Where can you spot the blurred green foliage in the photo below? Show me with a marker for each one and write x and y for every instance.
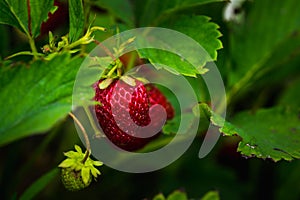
(259, 63)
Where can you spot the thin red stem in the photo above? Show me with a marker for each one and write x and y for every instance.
(29, 17)
(107, 51)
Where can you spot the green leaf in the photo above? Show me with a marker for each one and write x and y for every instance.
(268, 37)
(200, 29)
(15, 13)
(226, 128)
(39, 13)
(33, 98)
(177, 195)
(159, 196)
(174, 62)
(39, 185)
(160, 9)
(269, 133)
(76, 17)
(211, 195)
(122, 9)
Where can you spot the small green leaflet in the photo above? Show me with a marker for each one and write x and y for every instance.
(76, 16)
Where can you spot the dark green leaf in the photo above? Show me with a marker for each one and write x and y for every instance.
(119, 8)
(269, 133)
(205, 35)
(226, 128)
(160, 9)
(33, 98)
(76, 16)
(202, 30)
(15, 13)
(39, 185)
(39, 13)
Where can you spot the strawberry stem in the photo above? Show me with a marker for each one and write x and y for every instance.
(86, 138)
(107, 51)
(92, 121)
(86, 156)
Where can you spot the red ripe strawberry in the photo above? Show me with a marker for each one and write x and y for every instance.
(156, 97)
(119, 99)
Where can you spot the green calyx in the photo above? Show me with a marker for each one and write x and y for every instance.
(78, 167)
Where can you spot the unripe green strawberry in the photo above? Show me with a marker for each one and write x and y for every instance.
(78, 169)
(72, 179)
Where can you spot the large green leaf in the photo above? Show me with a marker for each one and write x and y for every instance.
(160, 9)
(268, 37)
(202, 31)
(76, 17)
(15, 13)
(119, 8)
(33, 98)
(269, 133)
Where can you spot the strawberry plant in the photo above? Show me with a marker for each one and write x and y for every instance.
(121, 80)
